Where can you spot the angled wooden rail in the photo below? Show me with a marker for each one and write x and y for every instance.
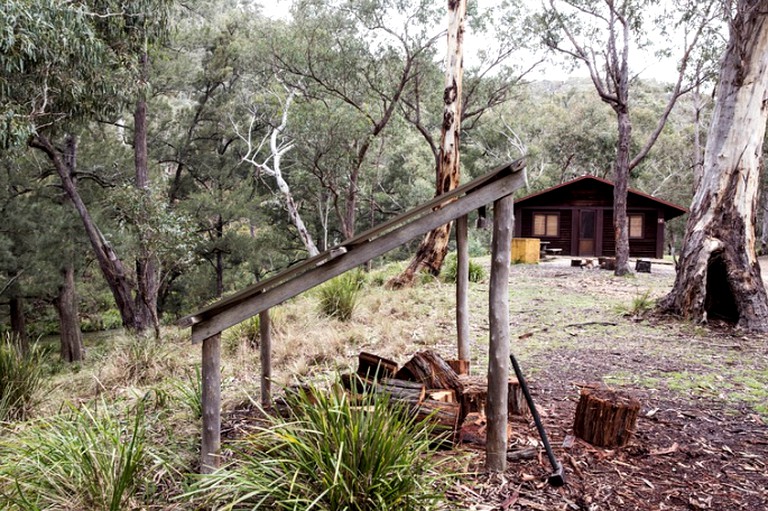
(357, 250)
(208, 323)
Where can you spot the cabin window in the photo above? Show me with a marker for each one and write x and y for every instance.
(635, 226)
(546, 224)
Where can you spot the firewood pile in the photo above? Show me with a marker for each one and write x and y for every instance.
(430, 387)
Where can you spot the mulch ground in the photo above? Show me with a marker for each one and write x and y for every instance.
(686, 453)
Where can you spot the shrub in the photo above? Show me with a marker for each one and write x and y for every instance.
(21, 377)
(450, 269)
(338, 296)
(83, 459)
(331, 456)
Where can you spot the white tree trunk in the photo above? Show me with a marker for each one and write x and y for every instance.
(719, 273)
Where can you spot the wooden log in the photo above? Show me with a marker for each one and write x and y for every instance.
(475, 396)
(409, 392)
(516, 399)
(462, 289)
(355, 383)
(211, 402)
(459, 366)
(447, 396)
(643, 266)
(444, 415)
(429, 368)
(372, 366)
(498, 346)
(265, 357)
(605, 417)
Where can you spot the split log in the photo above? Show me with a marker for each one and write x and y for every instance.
(447, 396)
(444, 415)
(355, 383)
(373, 366)
(408, 392)
(605, 417)
(429, 368)
(475, 395)
(459, 366)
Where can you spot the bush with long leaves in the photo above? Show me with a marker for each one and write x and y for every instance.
(83, 459)
(338, 296)
(332, 455)
(21, 378)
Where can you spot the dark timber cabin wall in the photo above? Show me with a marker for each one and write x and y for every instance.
(577, 217)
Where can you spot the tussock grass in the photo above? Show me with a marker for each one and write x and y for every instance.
(84, 459)
(332, 455)
(21, 379)
(338, 297)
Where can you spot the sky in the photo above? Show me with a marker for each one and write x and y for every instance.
(643, 63)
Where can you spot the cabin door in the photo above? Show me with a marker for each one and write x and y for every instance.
(587, 232)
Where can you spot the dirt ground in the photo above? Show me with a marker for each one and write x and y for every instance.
(701, 440)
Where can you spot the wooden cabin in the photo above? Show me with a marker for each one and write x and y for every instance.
(577, 217)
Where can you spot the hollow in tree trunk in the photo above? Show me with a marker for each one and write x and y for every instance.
(430, 254)
(69, 323)
(719, 274)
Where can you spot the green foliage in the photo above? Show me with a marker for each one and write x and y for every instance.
(142, 360)
(190, 391)
(21, 378)
(86, 459)
(338, 296)
(450, 268)
(331, 456)
(641, 304)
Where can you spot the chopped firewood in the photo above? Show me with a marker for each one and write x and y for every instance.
(459, 366)
(447, 396)
(408, 392)
(429, 368)
(526, 453)
(605, 417)
(373, 366)
(444, 415)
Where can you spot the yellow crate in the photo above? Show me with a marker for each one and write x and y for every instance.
(525, 250)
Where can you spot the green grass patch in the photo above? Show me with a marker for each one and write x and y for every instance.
(332, 455)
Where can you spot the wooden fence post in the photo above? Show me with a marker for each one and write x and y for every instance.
(265, 353)
(462, 287)
(211, 374)
(498, 353)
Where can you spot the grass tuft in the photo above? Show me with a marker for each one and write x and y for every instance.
(21, 378)
(331, 455)
(450, 270)
(339, 296)
(82, 459)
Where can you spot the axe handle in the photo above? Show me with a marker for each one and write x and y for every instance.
(536, 418)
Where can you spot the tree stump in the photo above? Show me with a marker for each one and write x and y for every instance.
(475, 395)
(459, 366)
(605, 417)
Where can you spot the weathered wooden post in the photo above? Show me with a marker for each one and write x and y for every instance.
(211, 374)
(265, 355)
(498, 354)
(462, 288)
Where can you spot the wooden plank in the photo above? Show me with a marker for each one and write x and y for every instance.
(498, 350)
(462, 288)
(329, 255)
(238, 312)
(211, 401)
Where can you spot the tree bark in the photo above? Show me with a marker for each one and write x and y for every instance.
(431, 253)
(719, 274)
(147, 264)
(498, 349)
(69, 323)
(621, 185)
(110, 264)
(19, 322)
(462, 289)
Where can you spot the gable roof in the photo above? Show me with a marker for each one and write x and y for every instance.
(671, 210)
